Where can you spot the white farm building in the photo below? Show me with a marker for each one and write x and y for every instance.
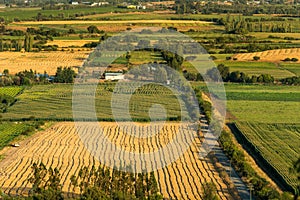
(114, 76)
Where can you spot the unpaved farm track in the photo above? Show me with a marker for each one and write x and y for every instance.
(60, 146)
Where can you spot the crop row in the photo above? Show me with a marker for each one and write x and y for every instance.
(11, 91)
(61, 147)
(276, 143)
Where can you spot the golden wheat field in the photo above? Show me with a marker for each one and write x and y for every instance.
(41, 61)
(271, 55)
(70, 43)
(60, 146)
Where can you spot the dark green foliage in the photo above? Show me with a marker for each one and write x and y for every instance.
(221, 71)
(93, 29)
(173, 60)
(102, 183)
(256, 58)
(28, 42)
(209, 191)
(64, 75)
(45, 183)
(5, 102)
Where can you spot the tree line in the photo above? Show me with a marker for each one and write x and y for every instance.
(241, 25)
(223, 72)
(29, 77)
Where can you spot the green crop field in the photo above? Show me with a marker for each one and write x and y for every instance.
(9, 131)
(54, 102)
(268, 104)
(30, 13)
(276, 143)
(257, 68)
(268, 117)
(294, 68)
(11, 91)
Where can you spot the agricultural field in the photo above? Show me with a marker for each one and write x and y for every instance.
(273, 143)
(266, 104)
(271, 55)
(60, 146)
(41, 61)
(54, 101)
(9, 131)
(257, 68)
(294, 68)
(11, 91)
(267, 116)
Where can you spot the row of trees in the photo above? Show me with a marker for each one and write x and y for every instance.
(236, 76)
(241, 26)
(99, 183)
(29, 77)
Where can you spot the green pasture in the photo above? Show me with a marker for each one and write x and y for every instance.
(264, 103)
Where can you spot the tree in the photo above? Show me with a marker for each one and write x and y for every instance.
(209, 191)
(64, 75)
(28, 41)
(93, 29)
(6, 72)
(256, 58)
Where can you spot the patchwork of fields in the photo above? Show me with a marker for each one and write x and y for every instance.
(273, 143)
(268, 117)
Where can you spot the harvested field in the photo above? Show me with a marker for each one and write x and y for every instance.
(70, 43)
(60, 146)
(41, 61)
(271, 55)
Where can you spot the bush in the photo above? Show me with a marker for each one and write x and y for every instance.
(228, 58)
(294, 59)
(256, 58)
(287, 59)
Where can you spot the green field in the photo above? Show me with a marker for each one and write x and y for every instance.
(277, 144)
(54, 102)
(267, 104)
(9, 131)
(257, 68)
(30, 13)
(294, 68)
(268, 116)
(11, 91)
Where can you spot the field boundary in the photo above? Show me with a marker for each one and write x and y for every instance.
(259, 159)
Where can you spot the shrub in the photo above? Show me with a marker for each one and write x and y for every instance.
(287, 59)
(294, 59)
(256, 58)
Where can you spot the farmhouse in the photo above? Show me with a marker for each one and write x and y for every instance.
(114, 76)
